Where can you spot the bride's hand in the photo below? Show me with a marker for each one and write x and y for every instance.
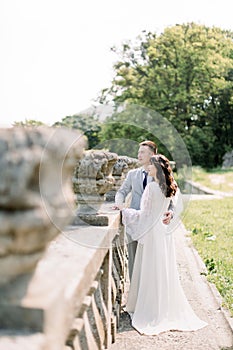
(118, 207)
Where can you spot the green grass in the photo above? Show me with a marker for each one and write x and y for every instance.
(210, 223)
(217, 179)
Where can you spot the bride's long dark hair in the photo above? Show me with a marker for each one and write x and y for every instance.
(165, 176)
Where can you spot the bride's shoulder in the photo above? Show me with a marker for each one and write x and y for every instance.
(155, 189)
(154, 186)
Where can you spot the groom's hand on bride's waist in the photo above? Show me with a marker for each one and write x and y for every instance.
(167, 217)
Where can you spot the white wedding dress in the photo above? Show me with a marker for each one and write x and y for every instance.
(156, 301)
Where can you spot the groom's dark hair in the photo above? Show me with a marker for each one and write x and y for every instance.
(150, 144)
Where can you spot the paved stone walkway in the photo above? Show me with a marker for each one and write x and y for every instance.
(203, 297)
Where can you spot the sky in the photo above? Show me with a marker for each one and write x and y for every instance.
(55, 54)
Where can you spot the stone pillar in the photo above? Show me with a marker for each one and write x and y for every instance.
(227, 160)
(120, 169)
(36, 202)
(92, 180)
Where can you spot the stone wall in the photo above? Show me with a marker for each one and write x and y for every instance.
(61, 281)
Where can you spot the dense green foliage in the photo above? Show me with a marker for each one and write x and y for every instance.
(180, 79)
(88, 124)
(126, 128)
(186, 75)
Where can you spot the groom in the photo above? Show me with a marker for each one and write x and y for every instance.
(135, 183)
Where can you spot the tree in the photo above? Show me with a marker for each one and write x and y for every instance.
(125, 129)
(29, 123)
(88, 124)
(182, 74)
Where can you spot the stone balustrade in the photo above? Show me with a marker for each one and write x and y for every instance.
(92, 180)
(119, 171)
(103, 270)
(61, 282)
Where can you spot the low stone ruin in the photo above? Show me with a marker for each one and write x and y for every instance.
(227, 160)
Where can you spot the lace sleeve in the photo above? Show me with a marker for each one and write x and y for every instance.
(139, 222)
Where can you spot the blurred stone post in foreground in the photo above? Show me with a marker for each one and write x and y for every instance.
(36, 202)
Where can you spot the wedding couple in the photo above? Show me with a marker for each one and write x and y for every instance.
(156, 301)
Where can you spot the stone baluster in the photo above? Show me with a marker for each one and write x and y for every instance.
(36, 202)
(120, 169)
(92, 180)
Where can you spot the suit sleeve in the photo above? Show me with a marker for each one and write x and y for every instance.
(124, 190)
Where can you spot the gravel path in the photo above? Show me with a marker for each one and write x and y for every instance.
(206, 302)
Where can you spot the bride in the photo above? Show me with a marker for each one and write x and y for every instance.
(156, 301)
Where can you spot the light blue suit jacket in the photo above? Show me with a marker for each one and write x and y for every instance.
(134, 184)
